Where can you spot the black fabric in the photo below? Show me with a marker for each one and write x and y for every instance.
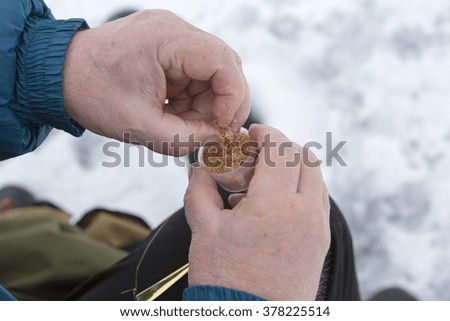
(168, 251)
(21, 198)
(393, 294)
(342, 282)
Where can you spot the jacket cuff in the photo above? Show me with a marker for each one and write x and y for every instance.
(5, 295)
(41, 59)
(217, 293)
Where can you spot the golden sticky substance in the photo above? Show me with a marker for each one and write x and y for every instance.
(229, 152)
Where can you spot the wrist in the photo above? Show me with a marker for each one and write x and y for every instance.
(277, 282)
(72, 79)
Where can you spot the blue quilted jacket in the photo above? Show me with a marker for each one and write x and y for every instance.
(32, 51)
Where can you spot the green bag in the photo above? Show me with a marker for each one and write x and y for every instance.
(43, 256)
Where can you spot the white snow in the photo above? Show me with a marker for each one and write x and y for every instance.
(374, 72)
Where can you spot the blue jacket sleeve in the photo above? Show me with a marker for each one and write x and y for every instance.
(5, 295)
(32, 51)
(217, 293)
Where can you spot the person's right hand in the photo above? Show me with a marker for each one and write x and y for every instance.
(118, 77)
(273, 243)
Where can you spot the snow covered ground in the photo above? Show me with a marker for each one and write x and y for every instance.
(374, 72)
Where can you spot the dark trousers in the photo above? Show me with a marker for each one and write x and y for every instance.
(167, 248)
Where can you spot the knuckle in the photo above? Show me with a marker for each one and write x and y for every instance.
(228, 55)
(311, 155)
(227, 51)
(159, 19)
(156, 12)
(298, 147)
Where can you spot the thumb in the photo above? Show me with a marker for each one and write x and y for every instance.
(202, 201)
(184, 135)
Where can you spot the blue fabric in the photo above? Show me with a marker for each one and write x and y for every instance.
(217, 293)
(5, 295)
(32, 52)
(194, 293)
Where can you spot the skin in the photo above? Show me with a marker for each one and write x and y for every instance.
(5, 205)
(274, 241)
(118, 76)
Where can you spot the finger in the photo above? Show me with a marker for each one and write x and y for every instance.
(207, 58)
(242, 113)
(176, 136)
(198, 87)
(177, 86)
(311, 180)
(201, 104)
(229, 86)
(182, 93)
(202, 200)
(195, 102)
(278, 164)
(178, 104)
(238, 59)
(188, 107)
(234, 199)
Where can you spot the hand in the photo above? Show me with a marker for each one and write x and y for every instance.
(273, 243)
(118, 76)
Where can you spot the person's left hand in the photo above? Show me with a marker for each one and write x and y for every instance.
(118, 76)
(274, 241)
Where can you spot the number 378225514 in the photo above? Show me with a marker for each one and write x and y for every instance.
(296, 311)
